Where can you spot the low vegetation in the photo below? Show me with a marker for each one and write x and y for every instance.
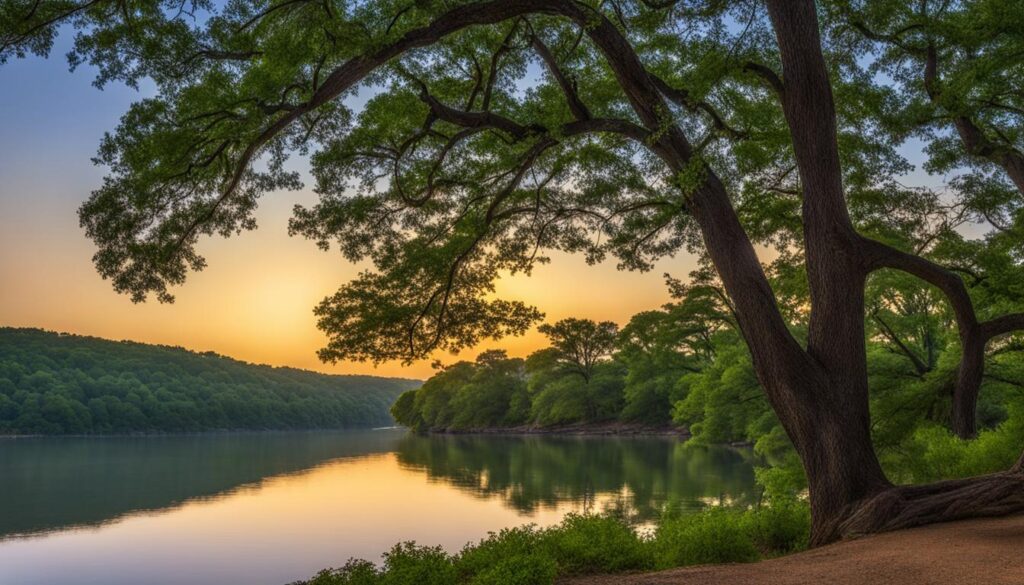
(52, 384)
(588, 544)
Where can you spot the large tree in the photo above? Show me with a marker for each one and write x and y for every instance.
(502, 129)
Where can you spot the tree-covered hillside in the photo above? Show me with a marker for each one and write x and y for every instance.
(52, 383)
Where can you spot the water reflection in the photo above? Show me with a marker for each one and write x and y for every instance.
(55, 483)
(52, 484)
(532, 472)
(267, 509)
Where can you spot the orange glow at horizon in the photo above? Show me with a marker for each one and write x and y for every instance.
(254, 301)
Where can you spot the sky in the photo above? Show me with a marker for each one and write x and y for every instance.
(254, 301)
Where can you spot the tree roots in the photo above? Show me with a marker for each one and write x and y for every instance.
(899, 507)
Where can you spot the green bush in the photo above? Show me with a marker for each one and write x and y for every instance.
(716, 535)
(596, 544)
(514, 556)
(780, 528)
(408, 564)
(584, 543)
(933, 453)
(355, 572)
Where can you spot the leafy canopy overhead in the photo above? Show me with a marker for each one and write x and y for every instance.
(494, 133)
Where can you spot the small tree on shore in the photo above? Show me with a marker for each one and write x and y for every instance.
(581, 343)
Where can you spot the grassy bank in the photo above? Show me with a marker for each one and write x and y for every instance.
(586, 544)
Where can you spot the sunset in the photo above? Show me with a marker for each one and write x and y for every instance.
(255, 301)
(511, 292)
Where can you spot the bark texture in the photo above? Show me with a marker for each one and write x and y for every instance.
(829, 424)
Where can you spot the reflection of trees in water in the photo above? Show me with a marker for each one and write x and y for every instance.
(642, 475)
(49, 484)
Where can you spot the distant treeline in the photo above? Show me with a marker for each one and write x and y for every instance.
(687, 365)
(53, 383)
(576, 380)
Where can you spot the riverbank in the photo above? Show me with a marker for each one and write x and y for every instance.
(203, 433)
(612, 429)
(967, 552)
(609, 429)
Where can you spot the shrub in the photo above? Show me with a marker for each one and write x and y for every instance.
(408, 564)
(781, 527)
(584, 543)
(596, 544)
(355, 572)
(514, 556)
(715, 535)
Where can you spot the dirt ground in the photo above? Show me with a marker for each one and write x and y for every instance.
(972, 552)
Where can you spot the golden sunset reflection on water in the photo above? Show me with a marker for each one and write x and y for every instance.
(277, 530)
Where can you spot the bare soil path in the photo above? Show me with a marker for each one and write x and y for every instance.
(972, 552)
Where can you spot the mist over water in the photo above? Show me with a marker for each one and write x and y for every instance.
(270, 508)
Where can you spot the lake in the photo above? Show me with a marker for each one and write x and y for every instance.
(271, 508)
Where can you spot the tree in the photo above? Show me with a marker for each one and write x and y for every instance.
(581, 343)
(958, 69)
(656, 126)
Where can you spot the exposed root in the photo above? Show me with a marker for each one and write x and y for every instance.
(900, 507)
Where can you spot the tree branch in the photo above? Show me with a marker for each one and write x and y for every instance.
(682, 97)
(768, 74)
(974, 336)
(576, 106)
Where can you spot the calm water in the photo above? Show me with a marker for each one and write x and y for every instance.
(270, 508)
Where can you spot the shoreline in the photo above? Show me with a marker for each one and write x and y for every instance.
(147, 434)
(615, 429)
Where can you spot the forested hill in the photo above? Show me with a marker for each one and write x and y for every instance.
(52, 383)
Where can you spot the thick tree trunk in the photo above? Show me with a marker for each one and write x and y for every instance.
(834, 438)
(839, 461)
(964, 414)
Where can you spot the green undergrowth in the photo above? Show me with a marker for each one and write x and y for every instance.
(588, 544)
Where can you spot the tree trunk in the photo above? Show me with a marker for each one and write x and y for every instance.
(963, 417)
(839, 461)
(830, 422)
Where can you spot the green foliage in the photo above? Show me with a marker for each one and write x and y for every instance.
(355, 572)
(780, 528)
(596, 544)
(408, 564)
(715, 536)
(513, 556)
(580, 344)
(572, 382)
(586, 544)
(66, 384)
(933, 453)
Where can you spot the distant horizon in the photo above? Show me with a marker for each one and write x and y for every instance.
(200, 351)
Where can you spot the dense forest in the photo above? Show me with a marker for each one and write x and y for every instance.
(52, 383)
(686, 365)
